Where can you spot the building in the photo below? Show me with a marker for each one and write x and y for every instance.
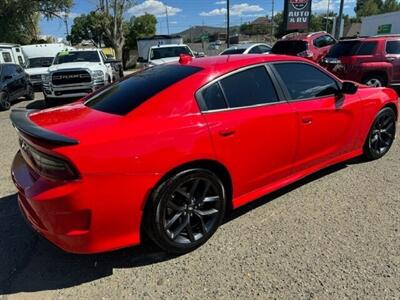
(381, 24)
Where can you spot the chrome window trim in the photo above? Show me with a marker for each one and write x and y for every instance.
(201, 103)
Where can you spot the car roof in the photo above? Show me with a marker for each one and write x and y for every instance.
(168, 45)
(221, 64)
(371, 38)
(302, 36)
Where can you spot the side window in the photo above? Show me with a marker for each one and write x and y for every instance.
(393, 47)
(264, 49)
(6, 57)
(19, 69)
(304, 81)
(255, 50)
(21, 62)
(249, 87)
(366, 48)
(213, 97)
(329, 40)
(319, 42)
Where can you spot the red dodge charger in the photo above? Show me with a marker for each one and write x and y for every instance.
(167, 151)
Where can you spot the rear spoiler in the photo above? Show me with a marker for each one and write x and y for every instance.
(21, 121)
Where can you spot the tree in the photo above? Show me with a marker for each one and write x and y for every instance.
(367, 7)
(112, 19)
(390, 5)
(19, 18)
(138, 27)
(88, 27)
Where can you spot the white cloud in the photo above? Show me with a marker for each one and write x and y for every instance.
(220, 2)
(236, 10)
(153, 7)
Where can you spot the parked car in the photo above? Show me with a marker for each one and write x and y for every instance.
(374, 61)
(14, 83)
(252, 48)
(313, 46)
(74, 74)
(162, 54)
(170, 149)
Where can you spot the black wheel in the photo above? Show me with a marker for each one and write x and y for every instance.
(30, 95)
(185, 210)
(5, 102)
(381, 135)
(374, 81)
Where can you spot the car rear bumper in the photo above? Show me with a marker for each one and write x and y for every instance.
(89, 215)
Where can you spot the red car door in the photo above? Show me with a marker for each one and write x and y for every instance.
(255, 134)
(328, 123)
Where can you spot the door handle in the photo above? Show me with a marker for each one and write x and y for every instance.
(306, 120)
(390, 58)
(227, 132)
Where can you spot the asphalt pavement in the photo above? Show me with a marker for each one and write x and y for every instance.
(333, 235)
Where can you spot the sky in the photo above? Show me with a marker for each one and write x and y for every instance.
(185, 13)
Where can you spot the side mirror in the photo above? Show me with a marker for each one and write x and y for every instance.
(141, 60)
(349, 87)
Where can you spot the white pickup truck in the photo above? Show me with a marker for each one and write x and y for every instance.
(77, 73)
(162, 54)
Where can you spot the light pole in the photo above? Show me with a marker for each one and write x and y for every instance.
(327, 17)
(272, 20)
(340, 20)
(227, 24)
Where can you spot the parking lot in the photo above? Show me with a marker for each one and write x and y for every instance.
(333, 235)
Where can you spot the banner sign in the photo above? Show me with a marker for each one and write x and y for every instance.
(297, 14)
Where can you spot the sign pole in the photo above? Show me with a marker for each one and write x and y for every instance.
(340, 20)
(227, 24)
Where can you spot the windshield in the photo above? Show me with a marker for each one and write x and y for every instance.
(40, 62)
(343, 49)
(289, 47)
(233, 51)
(158, 53)
(76, 56)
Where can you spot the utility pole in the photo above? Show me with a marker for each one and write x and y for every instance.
(272, 19)
(166, 14)
(227, 24)
(66, 25)
(327, 17)
(340, 20)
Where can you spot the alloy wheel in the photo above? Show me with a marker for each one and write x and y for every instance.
(382, 134)
(374, 82)
(192, 211)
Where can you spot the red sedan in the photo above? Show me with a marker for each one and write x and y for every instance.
(167, 151)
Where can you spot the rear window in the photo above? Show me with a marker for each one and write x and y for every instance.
(233, 51)
(352, 48)
(123, 97)
(289, 47)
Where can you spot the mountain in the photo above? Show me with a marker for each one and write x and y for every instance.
(195, 33)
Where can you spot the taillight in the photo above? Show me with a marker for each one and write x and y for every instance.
(47, 165)
(305, 53)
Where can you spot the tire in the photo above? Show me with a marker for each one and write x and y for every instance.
(30, 93)
(381, 135)
(5, 102)
(49, 102)
(374, 81)
(185, 210)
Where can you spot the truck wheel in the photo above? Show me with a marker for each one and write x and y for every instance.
(374, 81)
